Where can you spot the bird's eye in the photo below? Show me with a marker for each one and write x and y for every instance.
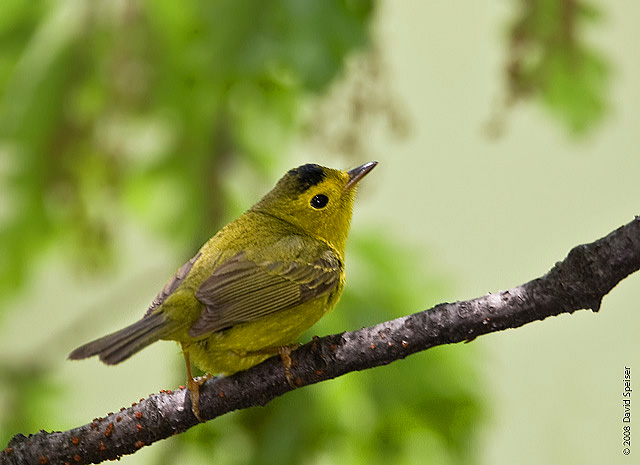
(319, 201)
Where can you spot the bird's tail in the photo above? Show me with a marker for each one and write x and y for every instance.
(116, 347)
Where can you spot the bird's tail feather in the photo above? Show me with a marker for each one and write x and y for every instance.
(116, 347)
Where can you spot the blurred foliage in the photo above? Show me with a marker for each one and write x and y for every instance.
(27, 393)
(357, 105)
(551, 61)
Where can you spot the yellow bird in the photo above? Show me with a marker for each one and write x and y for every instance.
(256, 285)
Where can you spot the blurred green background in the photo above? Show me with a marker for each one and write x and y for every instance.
(506, 133)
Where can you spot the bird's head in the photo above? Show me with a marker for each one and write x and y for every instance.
(316, 199)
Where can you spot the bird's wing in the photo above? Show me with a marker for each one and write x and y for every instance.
(241, 290)
(172, 284)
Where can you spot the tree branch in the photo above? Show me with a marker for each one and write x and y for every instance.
(580, 281)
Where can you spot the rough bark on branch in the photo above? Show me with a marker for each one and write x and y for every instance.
(580, 281)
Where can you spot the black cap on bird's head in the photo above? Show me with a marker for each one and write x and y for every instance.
(307, 175)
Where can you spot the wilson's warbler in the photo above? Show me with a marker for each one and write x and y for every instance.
(256, 285)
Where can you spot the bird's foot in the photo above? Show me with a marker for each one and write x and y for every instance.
(194, 393)
(285, 356)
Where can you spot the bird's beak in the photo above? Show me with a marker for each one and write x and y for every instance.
(358, 173)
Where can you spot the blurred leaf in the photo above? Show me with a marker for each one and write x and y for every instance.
(550, 60)
(575, 84)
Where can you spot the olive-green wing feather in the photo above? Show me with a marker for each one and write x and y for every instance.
(242, 290)
(172, 284)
